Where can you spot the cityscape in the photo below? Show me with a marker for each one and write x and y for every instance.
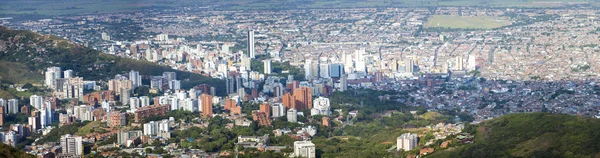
(203, 81)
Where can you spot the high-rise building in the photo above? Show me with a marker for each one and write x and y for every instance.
(134, 103)
(117, 85)
(292, 115)
(2, 115)
(156, 83)
(52, 73)
(34, 123)
(303, 98)
(305, 149)
(288, 100)
(125, 95)
(343, 83)
(324, 71)
(13, 106)
(266, 108)
(206, 105)
(3, 103)
(36, 101)
(267, 66)
(68, 74)
(409, 66)
(72, 88)
(251, 44)
(175, 85)
(117, 119)
(308, 69)
(71, 144)
(458, 63)
(336, 70)
(407, 141)
(168, 76)
(134, 77)
(278, 110)
(144, 101)
(321, 107)
(472, 63)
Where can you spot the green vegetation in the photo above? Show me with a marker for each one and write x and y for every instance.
(533, 135)
(9, 151)
(85, 62)
(54, 135)
(466, 22)
(95, 126)
(18, 73)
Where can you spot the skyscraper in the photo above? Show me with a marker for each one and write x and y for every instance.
(267, 66)
(36, 101)
(68, 74)
(308, 69)
(251, 44)
(206, 105)
(135, 78)
(264, 107)
(303, 98)
(13, 106)
(52, 73)
(409, 66)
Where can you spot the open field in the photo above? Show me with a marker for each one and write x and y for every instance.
(18, 73)
(62, 7)
(462, 22)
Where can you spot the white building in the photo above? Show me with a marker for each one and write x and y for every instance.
(251, 44)
(175, 84)
(407, 141)
(134, 103)
(68, 74)
(13, 106)
(292, 115)
(278, 110)
(320, 107)
(135, 78)
(144, 101)
(154, 128)
(52, 73)
(267, 66)
(71, 144)
(305, 149)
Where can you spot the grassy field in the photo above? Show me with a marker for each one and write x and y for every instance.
(61, 7)
(90, 128)
(18, 73)
(463, 22)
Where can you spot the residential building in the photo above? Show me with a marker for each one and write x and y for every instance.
(407, 141)
(305, 149)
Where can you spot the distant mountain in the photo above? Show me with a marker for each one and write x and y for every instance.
(32, 53)
(532, 135)
(9, 151)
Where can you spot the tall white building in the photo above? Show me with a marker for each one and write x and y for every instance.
(144, 101)
(251, 54)
(292, 115)
(472, 63)
(308, 69)
(52, 73)
(68, 74)
(71, 144)
(409, 66)
(278, 110)
(135, 78)
(305, 149)
(105, 36)
(13, 106)
(83, 113)
(175, 84)
(324, 70)
(458, 63)
(267, 66)
(407, 141)
(320, 107)
(36, 101)
(3, 104)
(153, 128)
(134, 103)
(190, 104)
(11, 138)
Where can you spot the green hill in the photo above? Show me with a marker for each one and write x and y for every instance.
(33, 53)
(533, 135)
(9, 151)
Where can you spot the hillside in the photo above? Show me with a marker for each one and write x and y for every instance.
(33, 53)
(8, 151)
(533, 135)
